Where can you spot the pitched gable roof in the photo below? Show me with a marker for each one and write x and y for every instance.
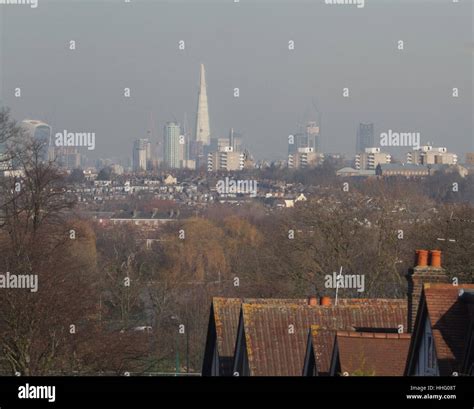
(371, 353)
(449, 318)
(222, 327)
(223, 324)
(276, 336)
(321, 341)
(226, 315)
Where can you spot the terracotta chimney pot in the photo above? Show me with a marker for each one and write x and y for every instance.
(436, 258)
(422, 258)
(312, 301)
(326, 301)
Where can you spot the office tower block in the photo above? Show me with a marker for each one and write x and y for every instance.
(365, 137)
(139, 156)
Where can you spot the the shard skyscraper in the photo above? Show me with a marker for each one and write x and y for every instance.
(203, 131)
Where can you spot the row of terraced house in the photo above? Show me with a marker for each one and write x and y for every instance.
(430, 333)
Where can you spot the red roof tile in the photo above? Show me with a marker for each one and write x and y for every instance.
(322, 342)
(276, 336)
(372, 354)
(226, 318)
(449, 318)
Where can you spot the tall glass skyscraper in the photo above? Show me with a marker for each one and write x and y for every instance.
(40, 132)
(365, 137)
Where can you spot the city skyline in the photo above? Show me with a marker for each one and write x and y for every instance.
(277, 86)
(268, 189)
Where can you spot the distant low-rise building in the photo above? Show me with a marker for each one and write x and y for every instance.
(170, 180)
(470, 158)
(429, 155)
(404, 169)
(226, 159)
(351, 172)
(304, 158)
(370, 158)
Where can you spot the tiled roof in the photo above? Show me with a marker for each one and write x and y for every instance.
(372, 353)
(322, 342)
(276, 336)
(226, 318)
(393, 302)
(449, 318)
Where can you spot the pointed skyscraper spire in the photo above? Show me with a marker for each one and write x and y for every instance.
(203, 131)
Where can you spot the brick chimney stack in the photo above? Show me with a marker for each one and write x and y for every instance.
(423, 272)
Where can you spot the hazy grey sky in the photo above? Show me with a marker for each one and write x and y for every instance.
(243, 45)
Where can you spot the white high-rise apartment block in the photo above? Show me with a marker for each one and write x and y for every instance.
(428, 155)
(174, 145)
(372, 157)
(203, 130)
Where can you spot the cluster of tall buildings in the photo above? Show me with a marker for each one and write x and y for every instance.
(178, 150)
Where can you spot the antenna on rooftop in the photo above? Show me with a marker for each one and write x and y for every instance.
(337, 283)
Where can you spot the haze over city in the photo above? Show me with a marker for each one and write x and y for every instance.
(242, 45)
(279, 193)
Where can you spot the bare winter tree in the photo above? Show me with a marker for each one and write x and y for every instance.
(54, 327)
